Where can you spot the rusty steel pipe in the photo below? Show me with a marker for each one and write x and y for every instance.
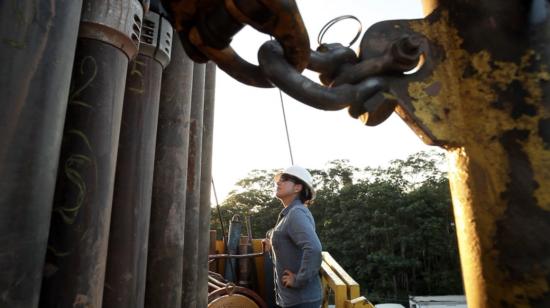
(77, 246)
(192, 206)
(34, 92)
(206, 184)
(129, 235)
(166, 230)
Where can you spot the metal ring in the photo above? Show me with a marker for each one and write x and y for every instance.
(230, 288)
(334, 21)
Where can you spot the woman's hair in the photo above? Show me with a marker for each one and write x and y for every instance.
(305, 194)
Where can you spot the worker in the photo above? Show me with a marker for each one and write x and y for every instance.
(293, 243)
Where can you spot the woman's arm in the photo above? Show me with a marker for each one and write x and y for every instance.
(302, 232)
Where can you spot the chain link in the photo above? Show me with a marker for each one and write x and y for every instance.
(206, 28)
(347, 80)
(359, 83)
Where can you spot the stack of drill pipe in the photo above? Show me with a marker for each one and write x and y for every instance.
(75, 264)
(128, 240)
(37, 53)
(166, 234)
(192, 204)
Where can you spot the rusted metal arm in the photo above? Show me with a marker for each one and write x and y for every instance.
(482, 93)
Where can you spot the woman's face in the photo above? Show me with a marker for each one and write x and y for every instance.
(286, 186)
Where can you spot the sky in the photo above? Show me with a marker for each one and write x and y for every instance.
(249, 130)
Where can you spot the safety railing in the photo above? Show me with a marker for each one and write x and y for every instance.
(346, 290)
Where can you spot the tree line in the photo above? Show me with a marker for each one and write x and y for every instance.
(391, 228)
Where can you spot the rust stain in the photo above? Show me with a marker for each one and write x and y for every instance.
(469, 85)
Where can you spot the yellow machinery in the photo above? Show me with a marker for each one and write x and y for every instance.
(338, 286)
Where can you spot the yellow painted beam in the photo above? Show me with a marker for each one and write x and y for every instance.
(337, 285)
(326, 290)
(352, 286)
(259, 263)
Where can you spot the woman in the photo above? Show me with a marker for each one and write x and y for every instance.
(295, 247)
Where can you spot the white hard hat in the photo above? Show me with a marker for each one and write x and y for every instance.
(302, 174)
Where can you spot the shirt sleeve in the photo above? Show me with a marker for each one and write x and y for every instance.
(302, 233)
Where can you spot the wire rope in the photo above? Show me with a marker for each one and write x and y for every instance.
(286, 128)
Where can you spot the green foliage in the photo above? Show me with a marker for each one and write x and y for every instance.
(390, 227)
(255, 198)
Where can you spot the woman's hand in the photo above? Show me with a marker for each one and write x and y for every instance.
(288, 279)
(266, 244)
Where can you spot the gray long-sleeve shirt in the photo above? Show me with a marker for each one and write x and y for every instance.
(296, 247)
